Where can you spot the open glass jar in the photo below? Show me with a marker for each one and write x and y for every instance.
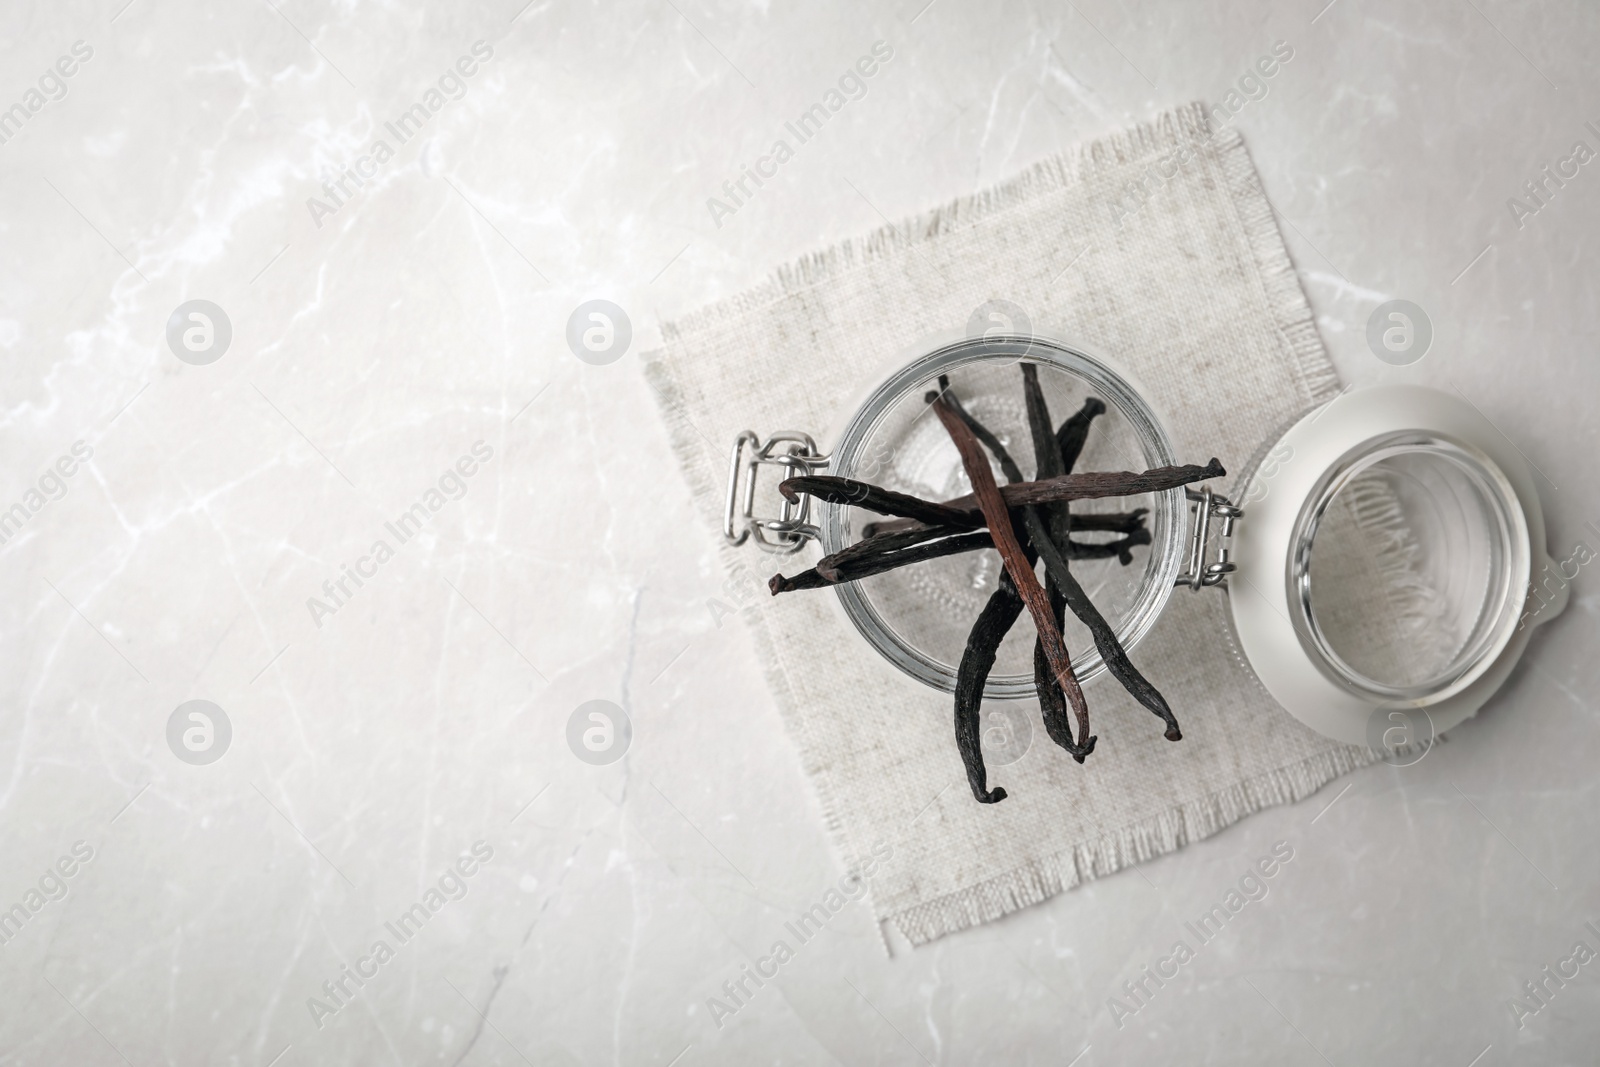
(1396, 492)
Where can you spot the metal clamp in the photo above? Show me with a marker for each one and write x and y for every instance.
(1207, 504)
(797, 454)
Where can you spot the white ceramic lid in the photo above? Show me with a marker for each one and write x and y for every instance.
(1477, 492)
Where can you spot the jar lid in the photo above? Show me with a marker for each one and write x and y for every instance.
(1385, 562)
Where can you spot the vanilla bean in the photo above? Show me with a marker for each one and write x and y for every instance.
(866, 565)
(1011, 554)
(949, 546)
(868, 558)
(875, 547)
(1046, 453)
(1051, 449)
(1091, 485)
(983, 643)
(884, 551)
(1046, 524)
(1043, 531)
(1123, 522)
(879, 553)
(1055, 712)
(1052, 702)
(1058, 453)
(965, 511)
(1045, 446)
(1071, 434)
(1121, 547)
(804, 580)
(999, 614)
(880, 546)
(1008, 466)
(835, 490)
(1105, 638)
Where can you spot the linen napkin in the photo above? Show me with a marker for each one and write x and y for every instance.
(1157, 246)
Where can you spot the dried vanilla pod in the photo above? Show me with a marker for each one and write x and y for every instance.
(1046, 525)
(1008, 466)
(827, 573)
(865, 565)
(983, 643)
(1052, 701)
(1105, 639)
(1129, 523)
(1092, 484)
(1046, 452)
(1017, 563)
(1071, 435)
(836, 490)
(1123, 522)
(964, 512)
(881, 544)
(876, 547)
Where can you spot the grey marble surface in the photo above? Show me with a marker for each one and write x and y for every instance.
(377, 339)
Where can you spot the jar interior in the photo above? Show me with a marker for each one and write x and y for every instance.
(1417, 620)
(921, 614)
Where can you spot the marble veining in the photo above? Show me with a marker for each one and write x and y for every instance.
(163, 904)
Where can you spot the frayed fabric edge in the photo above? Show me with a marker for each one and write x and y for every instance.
(1185, 124)
(1158, 835)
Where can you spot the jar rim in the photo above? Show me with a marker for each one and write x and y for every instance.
(1499, 612)
(1261, 602)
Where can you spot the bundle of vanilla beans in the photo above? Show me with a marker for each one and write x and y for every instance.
(1025, 521)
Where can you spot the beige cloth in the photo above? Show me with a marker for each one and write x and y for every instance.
(1193, 292)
